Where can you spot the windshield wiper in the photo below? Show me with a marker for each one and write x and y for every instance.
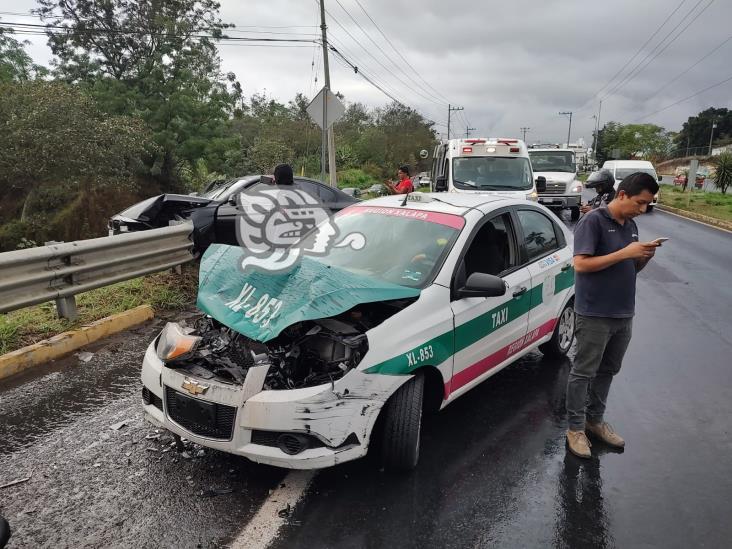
(468, 183)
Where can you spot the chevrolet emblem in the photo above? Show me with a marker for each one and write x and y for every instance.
(193, 387)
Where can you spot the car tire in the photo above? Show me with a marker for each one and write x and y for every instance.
(649, 208)
(563, 335)
(575, 213)
(402, 426)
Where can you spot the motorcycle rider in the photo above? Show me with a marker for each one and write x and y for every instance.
(604, 184)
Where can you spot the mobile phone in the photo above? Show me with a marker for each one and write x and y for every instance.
(660, 240)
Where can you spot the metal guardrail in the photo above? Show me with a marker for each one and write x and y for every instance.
(60, 271)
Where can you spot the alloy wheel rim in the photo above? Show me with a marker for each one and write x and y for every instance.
(566, 328)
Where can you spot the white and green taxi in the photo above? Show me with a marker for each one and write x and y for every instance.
(342, 352)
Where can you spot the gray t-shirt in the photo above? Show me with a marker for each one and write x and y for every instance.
(610, 292)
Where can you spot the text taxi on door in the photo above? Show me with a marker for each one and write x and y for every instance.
(342, 353)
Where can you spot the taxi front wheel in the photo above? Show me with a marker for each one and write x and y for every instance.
(563, 334)
(402, 426)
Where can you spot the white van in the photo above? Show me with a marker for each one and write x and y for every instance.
(623, 168)
(498, 166)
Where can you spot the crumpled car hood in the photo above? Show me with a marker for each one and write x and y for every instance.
(261, 304)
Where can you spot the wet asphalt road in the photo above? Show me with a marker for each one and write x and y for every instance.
(493, 469)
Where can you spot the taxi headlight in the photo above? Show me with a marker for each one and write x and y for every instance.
(533, 195)
(175, 344)
(577, 187)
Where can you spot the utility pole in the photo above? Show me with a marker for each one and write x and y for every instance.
(711, 136)
(524, 130)
(569, 131)
(327, 141)
(450, 108)
(467, 131)
(594, 140)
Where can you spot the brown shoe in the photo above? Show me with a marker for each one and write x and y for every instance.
(578, 444)
(605, 433)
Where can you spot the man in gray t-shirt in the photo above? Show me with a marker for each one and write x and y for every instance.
(607, 258)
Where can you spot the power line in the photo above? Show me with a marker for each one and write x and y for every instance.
(358, 67)
(628, 62)
(56, 30)
(682, 73)
(400, 54)
(438, 100)
(650, 56)
(344, 61)
(406, 84)
(685, 99)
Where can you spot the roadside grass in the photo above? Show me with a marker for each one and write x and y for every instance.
(164, 291)
(712, 204)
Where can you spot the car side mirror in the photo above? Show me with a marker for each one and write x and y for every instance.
(482, 285)
(540, 184)
(441, 184)
(660, 178)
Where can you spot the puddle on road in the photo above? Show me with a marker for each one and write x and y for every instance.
(70, 388)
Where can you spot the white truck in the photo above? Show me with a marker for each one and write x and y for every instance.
(558, 167)
(498, 166)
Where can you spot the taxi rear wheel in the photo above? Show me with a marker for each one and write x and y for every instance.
(402, 426)
(563, 335)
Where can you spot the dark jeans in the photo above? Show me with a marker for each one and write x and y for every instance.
(601, 345)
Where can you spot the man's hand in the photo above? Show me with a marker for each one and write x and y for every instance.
(640, 250)
(585, 208)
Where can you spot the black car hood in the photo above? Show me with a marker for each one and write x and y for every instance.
(148, 209)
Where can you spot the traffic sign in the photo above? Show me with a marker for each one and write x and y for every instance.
(334, 105)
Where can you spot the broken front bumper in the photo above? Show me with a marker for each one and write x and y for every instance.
(305, 428)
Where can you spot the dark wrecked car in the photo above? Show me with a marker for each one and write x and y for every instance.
(167, 209)
(417, 300)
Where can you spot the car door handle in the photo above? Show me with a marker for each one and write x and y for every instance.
(566, 267)
(520, 291)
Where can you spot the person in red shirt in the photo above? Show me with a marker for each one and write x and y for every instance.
(404, 185)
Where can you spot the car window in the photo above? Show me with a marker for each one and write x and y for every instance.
(492, 250)
(313, 189)
(327, 194)
(540, 235)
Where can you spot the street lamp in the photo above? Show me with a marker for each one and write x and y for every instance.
(711, 136)
(569, 131)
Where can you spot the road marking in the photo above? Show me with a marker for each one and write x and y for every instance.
(262, 530)
(694, 220)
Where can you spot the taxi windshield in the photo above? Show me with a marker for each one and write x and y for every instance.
(401, 246)
(552, 161)
(492, 173)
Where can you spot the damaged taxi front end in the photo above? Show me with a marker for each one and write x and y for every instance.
(296, 401)
(284, 367)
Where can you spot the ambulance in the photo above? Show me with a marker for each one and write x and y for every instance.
(497, 166)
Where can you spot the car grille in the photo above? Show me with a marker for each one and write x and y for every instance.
(148, 397)
(555, 188)
(206, 419)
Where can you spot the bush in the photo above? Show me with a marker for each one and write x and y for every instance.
(355, 178)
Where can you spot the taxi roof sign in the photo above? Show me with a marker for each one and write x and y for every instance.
(419, 197)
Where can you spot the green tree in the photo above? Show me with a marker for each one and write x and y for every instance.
(632, 141)
(723, 171)
(697, 130)
(150, 59)
(58, 151)
(15, 64)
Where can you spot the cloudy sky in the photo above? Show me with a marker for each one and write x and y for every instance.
(508, 64)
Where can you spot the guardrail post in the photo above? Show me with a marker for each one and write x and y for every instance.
(66, 308)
